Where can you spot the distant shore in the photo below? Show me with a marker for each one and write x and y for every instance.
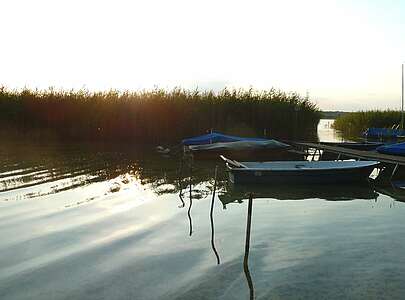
(328, 114)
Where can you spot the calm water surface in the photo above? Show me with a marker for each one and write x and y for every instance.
(93, 222)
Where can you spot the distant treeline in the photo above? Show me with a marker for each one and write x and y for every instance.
(332, 114)
(355, 123)
(157, 116)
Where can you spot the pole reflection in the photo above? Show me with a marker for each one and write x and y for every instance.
(191, 200)
(180, 178)
(212, 218)
(247, 246)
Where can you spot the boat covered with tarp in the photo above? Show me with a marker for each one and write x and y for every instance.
(211, 146)
(275, 172)
(393, 149)
(374, 132)
(216, 137)
(240, 146)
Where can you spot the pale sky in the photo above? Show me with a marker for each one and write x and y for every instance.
(346, 54)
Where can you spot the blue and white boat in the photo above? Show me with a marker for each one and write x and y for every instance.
(212, 145)
(299, 171)
(393, 149)
(383, 133)
(216, 137)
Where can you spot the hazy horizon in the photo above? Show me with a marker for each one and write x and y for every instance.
(346, 55)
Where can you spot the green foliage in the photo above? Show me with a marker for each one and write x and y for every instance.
(355, 123)
(158, 116)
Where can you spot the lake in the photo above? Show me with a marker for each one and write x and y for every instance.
(85, 221)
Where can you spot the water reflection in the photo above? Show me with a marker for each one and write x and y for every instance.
(33, 170)
(41, 170)
(151, 239)
(395, 190)
(236, 194)
(212, 218)
(190, 199)
(330, 192)
(30, 170)
(180, 185)
(247, 248)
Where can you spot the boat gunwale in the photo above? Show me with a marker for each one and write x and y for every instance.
(302, 169)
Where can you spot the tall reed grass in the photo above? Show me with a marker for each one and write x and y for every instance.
(355, 123)
(158, 116)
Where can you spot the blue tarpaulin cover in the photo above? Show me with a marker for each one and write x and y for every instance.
(383, 132)
(394, 149)
(216, 137)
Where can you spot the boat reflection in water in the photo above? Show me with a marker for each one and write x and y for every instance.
(251, 193)
(214, 249)
(395, 190)
(123, 207)
(247, 248)
(237, 193)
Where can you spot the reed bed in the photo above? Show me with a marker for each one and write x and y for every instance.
(157, 116)
(355, 123)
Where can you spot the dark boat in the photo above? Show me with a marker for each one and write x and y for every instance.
(364, 146)
(216, 137)
(245, 150)
(381, 133)
(211, 146)
(393, 149)
(275, 172)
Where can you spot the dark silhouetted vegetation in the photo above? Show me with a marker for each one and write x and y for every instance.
(157, 116)
(355, 123)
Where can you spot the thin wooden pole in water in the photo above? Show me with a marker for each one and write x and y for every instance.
(393, 172)
(247, 246)
(191, 198)
(180, 181)
(212, 217)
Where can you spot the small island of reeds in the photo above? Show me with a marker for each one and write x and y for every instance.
(157, 116)
(352, 125)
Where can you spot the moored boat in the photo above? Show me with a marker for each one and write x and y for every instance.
(364, 146)
(260, 150)
(298, 171)
(383, 133)
(212, 145)
(393, 149)
(216, 137)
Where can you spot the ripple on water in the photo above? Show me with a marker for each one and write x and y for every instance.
(80, 223)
